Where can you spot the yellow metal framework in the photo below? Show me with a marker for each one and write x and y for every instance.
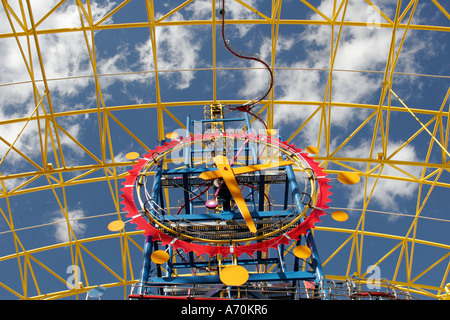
(49, 169)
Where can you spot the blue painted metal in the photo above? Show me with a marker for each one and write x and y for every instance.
(281, 262)
(241, 262)
(172, 267)
(293, 187)
(188, 151)
(316, 264)
(187, 170)
(145, 272)
(253, 277)
(227, 215)
(148, 240)
(169, 269)
(221, 120)
(157, 184)
(247, 121)
(191, 170)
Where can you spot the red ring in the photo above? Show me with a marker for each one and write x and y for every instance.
(212, 250)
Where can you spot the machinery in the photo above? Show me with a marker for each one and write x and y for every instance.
(140, 160)
(227, 228)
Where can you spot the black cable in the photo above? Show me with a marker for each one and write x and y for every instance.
(247, 107)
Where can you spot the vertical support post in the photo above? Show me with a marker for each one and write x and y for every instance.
(296, 268)
(148, 248)
(262, 187)
(247, 122)
(187, 203)
(293, 186)
(316, 264)
(188, 149)
(188, 164)
(286, 194)
(250, 146)
(157, 183)
(281, 257)
(169, 269)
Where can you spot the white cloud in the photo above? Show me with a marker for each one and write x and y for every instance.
(360, 48)
(115, 65)
(200, 9)
(387, 192)
(257, 81)
(25, 138)
(177, 48)
(351, 87)
(64, 55)
(77, 226)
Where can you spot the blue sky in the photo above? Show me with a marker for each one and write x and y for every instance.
(125, 61)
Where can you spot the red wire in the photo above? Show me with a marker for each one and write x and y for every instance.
(195, 197)
(247, 108)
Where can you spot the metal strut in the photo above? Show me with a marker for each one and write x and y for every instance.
(247, 107)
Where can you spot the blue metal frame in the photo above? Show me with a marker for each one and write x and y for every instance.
(316, 275)
(316, 264)
(253, 277)
(146, 265)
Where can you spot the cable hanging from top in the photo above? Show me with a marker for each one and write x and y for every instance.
(248, 106)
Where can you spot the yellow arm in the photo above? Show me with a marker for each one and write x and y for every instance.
(225, 171)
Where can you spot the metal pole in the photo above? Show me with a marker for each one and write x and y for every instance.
(148, 248)
(320, 277)
(317, 265)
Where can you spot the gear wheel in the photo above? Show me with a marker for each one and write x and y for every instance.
(157, 234)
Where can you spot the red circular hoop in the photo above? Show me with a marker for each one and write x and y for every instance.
(225, 250)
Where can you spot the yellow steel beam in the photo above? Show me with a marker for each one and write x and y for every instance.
(334, 45)
(99, 98)
(423, 126)
(122, 282)
(151, 23)
(111, 13)
(445, 12)
(11, 147)
(50, 12)
(9, 11)
(47, 91)
(214, 48)
(50, 139)
(83, 290)
(275, 18)
(414, 289)
(316, 10)
(231, 21)
(419, 205)
(171, 12)
(377, 9)
(342, 161)
(207, 102)
(254, 10)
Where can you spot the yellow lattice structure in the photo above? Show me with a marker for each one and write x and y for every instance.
(414, 256)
